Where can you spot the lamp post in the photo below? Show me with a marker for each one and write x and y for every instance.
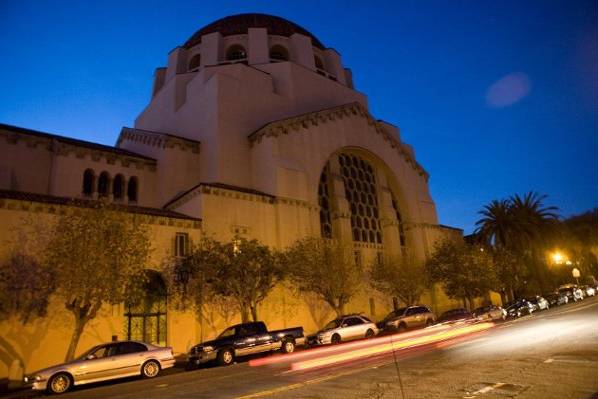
(576, 274)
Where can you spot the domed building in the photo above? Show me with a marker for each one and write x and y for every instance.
(254, 128)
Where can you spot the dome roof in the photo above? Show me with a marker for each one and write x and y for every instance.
(239, 24)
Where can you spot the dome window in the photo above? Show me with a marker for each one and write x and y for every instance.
(104, 184)
(279, 53)
(195, 62)
(236, 52)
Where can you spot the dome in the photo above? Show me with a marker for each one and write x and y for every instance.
(239, 24)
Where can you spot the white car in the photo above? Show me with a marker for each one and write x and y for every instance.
(344, 328)
(588, 290)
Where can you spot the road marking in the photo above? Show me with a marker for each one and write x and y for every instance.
(273, 391)
(548, 360)
(485, 390)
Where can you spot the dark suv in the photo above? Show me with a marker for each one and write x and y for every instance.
(407, 318)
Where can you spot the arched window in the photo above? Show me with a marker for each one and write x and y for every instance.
(402, 238)
(360, 189)
(195, 62)
(324, 199)
(118, 187)
(89, 178)
(103, 184)
(279, 53)
(319, 63)
(146, 319)
(132, 189)
(236, 52)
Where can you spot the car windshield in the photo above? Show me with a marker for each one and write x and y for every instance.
(333, 324)
(229, 332)
(483, 309)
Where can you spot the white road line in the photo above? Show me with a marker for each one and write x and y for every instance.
(485, 390)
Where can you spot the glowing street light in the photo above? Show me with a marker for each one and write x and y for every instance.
(557, 257)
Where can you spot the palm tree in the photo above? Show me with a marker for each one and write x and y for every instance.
(497, 223)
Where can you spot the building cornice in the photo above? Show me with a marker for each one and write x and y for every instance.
(158, 139)
(354, 109)
(66, 146)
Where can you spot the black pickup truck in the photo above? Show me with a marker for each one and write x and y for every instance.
(245, 339)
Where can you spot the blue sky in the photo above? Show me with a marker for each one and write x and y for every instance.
(496, 97)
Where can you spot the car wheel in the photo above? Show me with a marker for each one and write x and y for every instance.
(429, 322)
(336, 339)
(150, 369)
(288, 346)
(402, 327)
(59, 383)
(225, 357)
(519, 313)
(369, 333)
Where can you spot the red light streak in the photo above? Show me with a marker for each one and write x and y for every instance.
(389, 347)
(346, 346)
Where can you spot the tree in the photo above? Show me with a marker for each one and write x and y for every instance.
(465, 271)
(326, 268)
(399, 277)
(243, 270)
(98, 255)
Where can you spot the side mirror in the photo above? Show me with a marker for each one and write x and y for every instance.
(344, 325)
(90, 357)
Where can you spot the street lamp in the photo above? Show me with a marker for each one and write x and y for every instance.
(557, 257)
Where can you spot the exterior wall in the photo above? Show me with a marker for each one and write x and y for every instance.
(25, 166)
(44, 341)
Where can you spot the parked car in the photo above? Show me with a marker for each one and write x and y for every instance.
(589, 291)
(556, 299)
(519, 307)
(103, 362)
(242, 340)
(455, 315)
(407, 318)
(344, 328)
(539, 302)
(490, 312)
(572, 291)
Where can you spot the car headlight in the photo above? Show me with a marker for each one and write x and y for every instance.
(208, 348)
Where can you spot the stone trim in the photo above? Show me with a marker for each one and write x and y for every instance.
(66, 146)
(158, 139)
(286, 126)
(30, 202)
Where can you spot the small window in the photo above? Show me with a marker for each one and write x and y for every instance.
(195, 62)
(118, 187)
(132, 189)
(411, 311)
(181, 245)
(354, 321)
(88, 182)
(279, 53)
(236, 52)
(103, 184)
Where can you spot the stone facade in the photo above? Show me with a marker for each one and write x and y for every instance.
(253, 128)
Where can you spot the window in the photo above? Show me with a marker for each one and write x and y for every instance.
(195, 62)
(395, 205)
(236, 52)
(103, 184)
(118, 187)
(279, 53)
(353, 321)
(88, 182)
(319, 64)
(324, 198)
(132, 189)
(360, 190)
(411, 311)
(130, 347)
(181, 244)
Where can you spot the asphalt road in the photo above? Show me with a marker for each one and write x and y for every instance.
(551, 354)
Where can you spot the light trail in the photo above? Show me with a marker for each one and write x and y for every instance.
(347, 346)
(389, 347)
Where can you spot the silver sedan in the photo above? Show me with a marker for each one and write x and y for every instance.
(345, 328)
(104, 362)
(490, 312)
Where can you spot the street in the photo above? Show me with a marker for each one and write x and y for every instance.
(550, 354)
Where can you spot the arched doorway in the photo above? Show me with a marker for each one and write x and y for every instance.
(146, 321)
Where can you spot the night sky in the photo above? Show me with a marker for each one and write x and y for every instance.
(497, 97)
